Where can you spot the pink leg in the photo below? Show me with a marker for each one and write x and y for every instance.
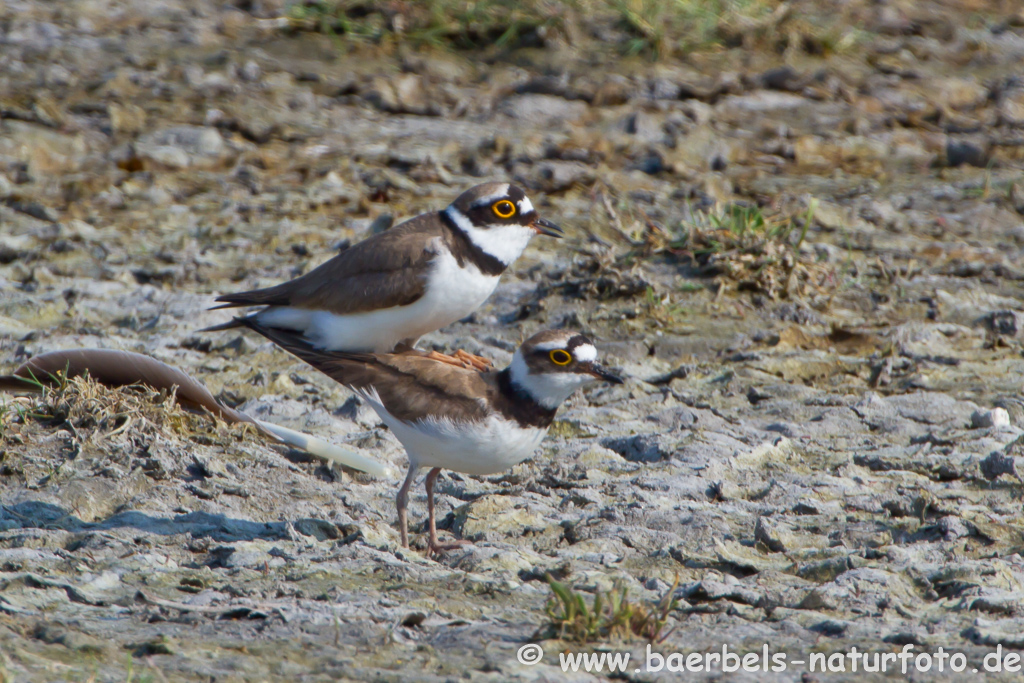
(403, 504)
(434, 546)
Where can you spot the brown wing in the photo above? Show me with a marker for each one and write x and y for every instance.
(388, 269)
(411, 386)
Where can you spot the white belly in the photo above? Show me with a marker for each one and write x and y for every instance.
(452, 293)
(488, 447)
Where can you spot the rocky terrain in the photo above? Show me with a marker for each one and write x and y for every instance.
(802, 240)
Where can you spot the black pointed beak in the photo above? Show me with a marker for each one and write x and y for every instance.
(546, 227)
(602, 373)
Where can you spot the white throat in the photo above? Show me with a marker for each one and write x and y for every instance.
(548, 389)
(503, 242)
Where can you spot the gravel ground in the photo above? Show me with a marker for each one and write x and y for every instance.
(817, 439)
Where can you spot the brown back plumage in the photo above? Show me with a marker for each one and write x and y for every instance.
(411, 386)
(385, 270)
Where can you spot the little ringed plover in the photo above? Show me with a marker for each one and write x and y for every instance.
(455, 418)
(398, 285)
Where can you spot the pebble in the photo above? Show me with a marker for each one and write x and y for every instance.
(542, 109)
(1011, 107)
(405, 94)
(180, 147)
(960, 152)
(983, 419)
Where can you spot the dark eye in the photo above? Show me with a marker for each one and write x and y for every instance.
(561, 357)
(504, 208)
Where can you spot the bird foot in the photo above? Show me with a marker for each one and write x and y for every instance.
(435, 547)
(462, 359)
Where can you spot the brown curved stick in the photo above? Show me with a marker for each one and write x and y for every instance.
(116, 368)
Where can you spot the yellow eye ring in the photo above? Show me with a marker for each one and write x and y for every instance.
(560, 357)
(504, 208)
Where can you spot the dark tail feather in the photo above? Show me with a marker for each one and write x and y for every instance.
(297, 345)
(292, 342)
(229, 325)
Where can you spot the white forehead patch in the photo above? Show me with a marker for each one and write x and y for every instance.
(525, 206)
(502, 191)
(585, 352)
(551, 345)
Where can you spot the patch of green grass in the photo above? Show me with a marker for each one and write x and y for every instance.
(742, 226)
(662, 308)
(442, 23)
(609, 615)
(663, 28)
(654, 28)
(748, 249)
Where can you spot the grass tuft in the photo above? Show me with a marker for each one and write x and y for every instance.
(749, 250)
(86, 406)
(659, 29)
(609, 616)
(456, 24)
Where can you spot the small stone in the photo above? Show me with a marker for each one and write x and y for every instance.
(214, 116)
(645, 127)
(1016, 196)
(983, 419)
(962, 93)
(127, 119)
(183, 146)
(1006, 323)
(960, 152)
(776, 537)
(1001, 463)
(640, 448)
(1011, 107)
(250, 71)
(112, 198)
(780, 78)
(405, 94)
(542, 109)
(952, 528)
(556, 176)
(616, 90)
(331, 189)
(171, 157)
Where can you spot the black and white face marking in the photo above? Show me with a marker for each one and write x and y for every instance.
(499, 219)
(550, 366)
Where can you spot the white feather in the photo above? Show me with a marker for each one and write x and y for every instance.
(347, 456)
(499, 193)
(487, 447)
(525, 205)
(584, 353)
(553, 344)
(503, 242)
(452, 293)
